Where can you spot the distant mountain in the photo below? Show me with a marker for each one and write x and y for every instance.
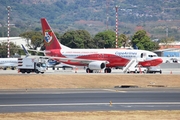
(92, 15)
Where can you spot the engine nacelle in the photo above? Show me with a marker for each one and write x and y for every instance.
(97, 65)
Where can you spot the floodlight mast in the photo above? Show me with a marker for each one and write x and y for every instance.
(8, 43)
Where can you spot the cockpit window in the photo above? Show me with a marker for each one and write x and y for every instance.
(152, 55)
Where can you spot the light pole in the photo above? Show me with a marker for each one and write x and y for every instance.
(8, 52)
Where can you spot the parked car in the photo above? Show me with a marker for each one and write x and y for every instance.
(154, 69)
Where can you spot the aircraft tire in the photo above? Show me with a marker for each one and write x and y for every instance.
(89, 70)
(107, 70)
(13, 68)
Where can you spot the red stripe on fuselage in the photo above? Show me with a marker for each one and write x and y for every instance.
(112, 59)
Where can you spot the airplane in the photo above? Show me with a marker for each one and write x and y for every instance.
(94, 59)
(8, 62)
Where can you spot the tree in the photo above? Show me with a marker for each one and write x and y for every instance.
(125, 40)
(77, 39)
(14, 49)
(106, 39)
(142, 41)
(34, 39)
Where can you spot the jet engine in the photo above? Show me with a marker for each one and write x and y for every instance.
(97, 65)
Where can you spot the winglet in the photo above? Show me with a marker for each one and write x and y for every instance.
(26, 52)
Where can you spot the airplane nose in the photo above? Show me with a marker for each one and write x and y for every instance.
(158, 61)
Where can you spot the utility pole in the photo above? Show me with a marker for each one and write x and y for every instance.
(8, 43)
(167, 32)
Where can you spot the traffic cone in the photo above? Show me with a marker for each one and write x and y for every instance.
(76, 70)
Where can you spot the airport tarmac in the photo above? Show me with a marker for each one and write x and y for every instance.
(89, 100)
(43, 100)
(83, 71)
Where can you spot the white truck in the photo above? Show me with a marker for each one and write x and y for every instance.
(28, 65)
(137, 69)
(154, 69)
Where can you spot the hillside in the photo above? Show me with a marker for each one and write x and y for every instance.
(94, 15)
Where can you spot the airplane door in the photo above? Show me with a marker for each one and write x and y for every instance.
(143, 55)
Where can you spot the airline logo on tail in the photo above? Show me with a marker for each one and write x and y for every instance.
(48, 36)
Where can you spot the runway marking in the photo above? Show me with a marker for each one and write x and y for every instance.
(112, 90)
(86, 104)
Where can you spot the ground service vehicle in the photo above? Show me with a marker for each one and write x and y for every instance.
(137, 69)
(154, 69)
(28, 65)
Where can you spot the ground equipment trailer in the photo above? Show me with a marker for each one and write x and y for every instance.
(28, 65)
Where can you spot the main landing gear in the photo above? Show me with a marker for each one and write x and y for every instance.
(106, 70)
(89, 70)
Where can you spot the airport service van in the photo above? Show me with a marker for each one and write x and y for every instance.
(29, 65)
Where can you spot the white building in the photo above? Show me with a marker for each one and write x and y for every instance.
(15, 40)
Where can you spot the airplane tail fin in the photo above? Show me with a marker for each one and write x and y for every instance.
(50, 39)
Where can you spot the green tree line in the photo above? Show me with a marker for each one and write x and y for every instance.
(82, 39)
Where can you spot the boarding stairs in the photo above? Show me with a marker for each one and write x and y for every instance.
(132, 63)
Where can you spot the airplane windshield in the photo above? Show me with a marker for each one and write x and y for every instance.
(152, 55)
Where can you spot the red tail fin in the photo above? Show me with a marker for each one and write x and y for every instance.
(50, 39)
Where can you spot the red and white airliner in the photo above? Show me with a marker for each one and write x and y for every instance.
(94, 59)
